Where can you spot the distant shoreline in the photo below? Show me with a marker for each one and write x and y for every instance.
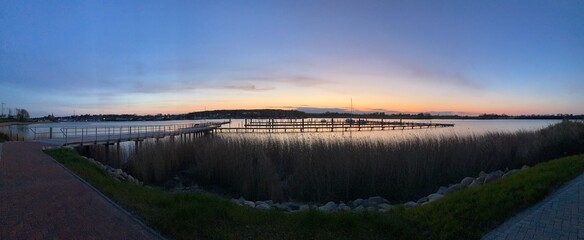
(5, 124)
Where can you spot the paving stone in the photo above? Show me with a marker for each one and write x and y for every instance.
(559, 216)
(39, 199)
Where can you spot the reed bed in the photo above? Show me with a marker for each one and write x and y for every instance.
(323, 169)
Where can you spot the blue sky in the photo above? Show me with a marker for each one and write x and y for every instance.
(148, 57)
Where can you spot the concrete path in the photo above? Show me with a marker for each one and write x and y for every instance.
(39, 199)
(559, 216)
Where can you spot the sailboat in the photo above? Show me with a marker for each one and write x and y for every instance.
(350, 119)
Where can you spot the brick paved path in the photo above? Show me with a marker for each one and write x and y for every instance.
(559, 216)
(39, 199)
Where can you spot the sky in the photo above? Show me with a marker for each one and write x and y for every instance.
(149, 57)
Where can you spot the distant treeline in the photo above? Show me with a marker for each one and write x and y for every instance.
(276, 113)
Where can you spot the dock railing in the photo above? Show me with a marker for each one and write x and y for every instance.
(87, 134)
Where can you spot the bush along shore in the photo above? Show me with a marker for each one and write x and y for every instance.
(295, 169)
(375, 203)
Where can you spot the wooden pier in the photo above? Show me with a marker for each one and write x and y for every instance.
(81, 136)
(325, 125)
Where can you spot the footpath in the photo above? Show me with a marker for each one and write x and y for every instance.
(559, 216)
(39, 199)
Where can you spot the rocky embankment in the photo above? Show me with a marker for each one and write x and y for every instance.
(375, 203)
(378, 203)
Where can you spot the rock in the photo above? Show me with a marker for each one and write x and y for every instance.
(131, 179)
(263, 202)
(482, 174)
(118, 171)
(411, 204)
(493, 176)
(433, 197)
(358, 202)
(422, 200)
(384, 206)
(343, 207)
(304, 208)
(376, 200)
(481, 179)
(328, 207)
(525, 167)
(476, 183)
(359, 209)
(467, 181)
(248, 204)
(456, 187)
(371, 209)
(282, 206)
(442, 190)
(511, 172)
(263, 206)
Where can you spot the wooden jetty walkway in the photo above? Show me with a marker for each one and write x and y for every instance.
(80, 136)
(325, 125)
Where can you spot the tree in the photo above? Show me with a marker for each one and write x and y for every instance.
(22, 115)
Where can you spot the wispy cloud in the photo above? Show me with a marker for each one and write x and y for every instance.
(247, 87)
(427, 75)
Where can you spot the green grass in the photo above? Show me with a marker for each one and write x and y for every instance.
(467, 214)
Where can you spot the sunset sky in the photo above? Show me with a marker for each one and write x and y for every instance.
(149, 57)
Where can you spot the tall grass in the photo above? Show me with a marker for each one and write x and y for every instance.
(331, 169)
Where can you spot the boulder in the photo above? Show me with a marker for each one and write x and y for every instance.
(358, 202)
(525, 167)
(304, 208)
(371, 209)
(384, 206)
(343, 207)
(467, 181)
(434, 196)
(267, 202)
(493, 176)
(411, 204)
(481, 179)
(236, 201)
(376, 200)
(263, 206)
(476, 183)
(248, 203)
(511, 172)
(442, 190)
(328, 207)
(456, 187)
(282, 206)
(482, 174)
(359, 209)
(422, 200)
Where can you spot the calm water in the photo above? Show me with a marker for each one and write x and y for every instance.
(461, 128)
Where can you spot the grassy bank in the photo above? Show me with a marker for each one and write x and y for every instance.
(344, 169)
(462, 215)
